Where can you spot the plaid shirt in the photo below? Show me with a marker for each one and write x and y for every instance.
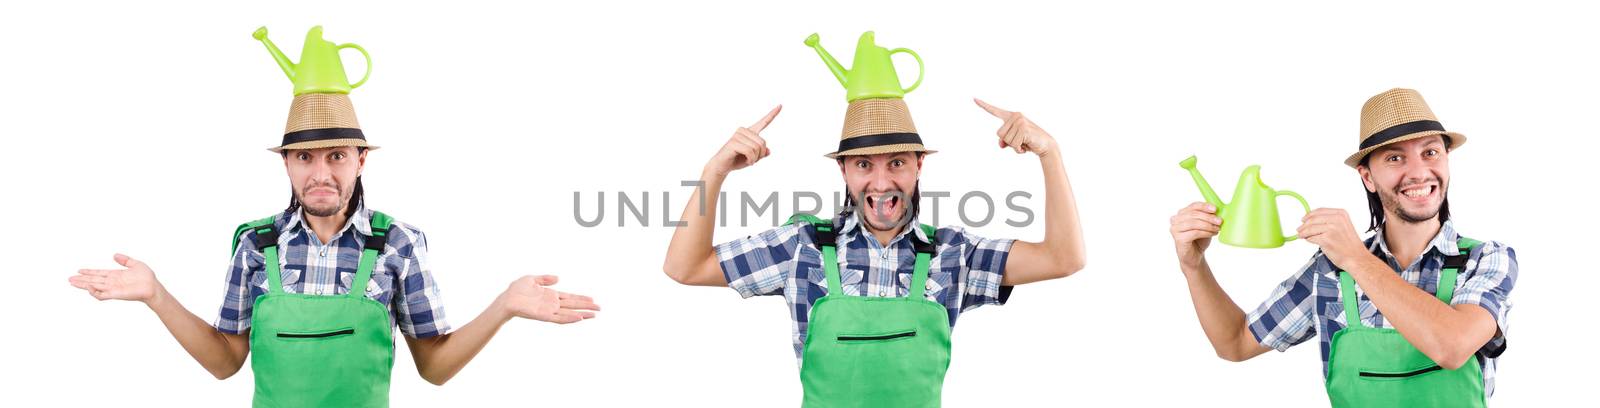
(309, 266)
(965, 270)
(1308, 303)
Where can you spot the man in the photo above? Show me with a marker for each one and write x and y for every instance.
(1432, 304)
(876, 248)
(315, 291)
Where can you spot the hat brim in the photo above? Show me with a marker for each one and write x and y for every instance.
(1456, 141)
(894, 148)
(319, 144)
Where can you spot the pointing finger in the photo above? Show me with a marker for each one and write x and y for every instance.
(762, 124)
(997, 112)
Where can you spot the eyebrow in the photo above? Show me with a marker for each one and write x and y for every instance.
(1394, 148)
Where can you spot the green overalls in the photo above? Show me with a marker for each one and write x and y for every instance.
(1372, 367)
(320, 351)
(863, 351)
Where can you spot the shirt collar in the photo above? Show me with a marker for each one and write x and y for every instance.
(852, 220)
(360, 220)
(1444, 243)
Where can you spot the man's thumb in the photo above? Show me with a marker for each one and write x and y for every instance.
(125, 260)
(546, 280)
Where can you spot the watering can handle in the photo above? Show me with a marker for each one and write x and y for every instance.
(919, 67)
(363, 55)
(1302, 204)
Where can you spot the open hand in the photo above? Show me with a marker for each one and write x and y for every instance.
(530, 297)
(136, 283)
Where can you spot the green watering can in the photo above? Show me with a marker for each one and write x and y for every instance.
(319, 70)
(873, 75)
(1251, 219)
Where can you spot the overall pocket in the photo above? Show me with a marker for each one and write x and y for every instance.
(317, 335)
(880, 337)
(1397, 375)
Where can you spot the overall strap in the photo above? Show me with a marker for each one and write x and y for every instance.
(252, 225)
(1452, 267)
(267, 243)
(1347, 295)
(369, 254)
(1445, 291)
(824, 237)
(925, 250)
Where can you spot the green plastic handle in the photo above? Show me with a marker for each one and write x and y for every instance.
(363, 55)
(1303, 204)
(919, 67)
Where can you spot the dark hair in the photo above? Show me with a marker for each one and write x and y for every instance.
(1375, 203)
(356, 197)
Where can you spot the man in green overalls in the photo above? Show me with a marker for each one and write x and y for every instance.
(872, 294)
(315, 292)
(1414, 316)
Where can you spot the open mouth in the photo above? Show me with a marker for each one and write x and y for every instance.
(885, 205)
(1421, 192)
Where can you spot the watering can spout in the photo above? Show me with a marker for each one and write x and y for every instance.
(283, 61)
(1200, 181)
(814, 41)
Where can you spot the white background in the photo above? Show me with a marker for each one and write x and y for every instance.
(140, 128)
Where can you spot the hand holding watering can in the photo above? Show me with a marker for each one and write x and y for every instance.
(1250, 220)
(1331, 230)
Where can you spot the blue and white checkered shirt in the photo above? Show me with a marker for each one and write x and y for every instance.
(1308, 303)
(965, 271)
(312, 267)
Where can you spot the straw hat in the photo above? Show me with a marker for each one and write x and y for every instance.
(1395, 116)
(874, 126)
(318, 120)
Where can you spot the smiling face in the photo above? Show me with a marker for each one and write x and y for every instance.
(324, 179)
(1411, 178)
(882, 187)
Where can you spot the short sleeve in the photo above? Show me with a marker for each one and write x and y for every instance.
(1490, 276)
(241, 291)
(983, 267)
(760, 265)
(1288, 316)
(419, 309)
